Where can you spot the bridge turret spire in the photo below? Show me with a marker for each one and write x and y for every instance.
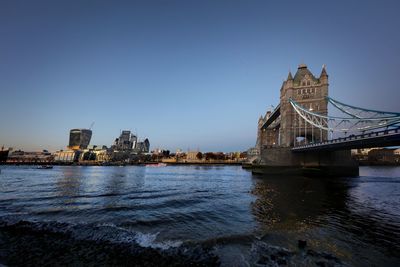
(289, 81)
(323, 72)
(324, 75)
(289, 77)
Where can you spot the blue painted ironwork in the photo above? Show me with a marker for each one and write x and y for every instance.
(357, 122)
(361, 113)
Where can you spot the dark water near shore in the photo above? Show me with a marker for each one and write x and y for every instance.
(355, 219)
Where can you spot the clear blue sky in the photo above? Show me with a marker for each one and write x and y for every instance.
(185, 74)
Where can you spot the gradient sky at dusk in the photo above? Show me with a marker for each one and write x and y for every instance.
(185, 74)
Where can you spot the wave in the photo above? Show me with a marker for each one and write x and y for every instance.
(149, 240)
(40, 242)
(56, 243)
(95, 232)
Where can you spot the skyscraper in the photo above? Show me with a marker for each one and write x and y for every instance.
(126, 141)
(79, 138)
(143, 147)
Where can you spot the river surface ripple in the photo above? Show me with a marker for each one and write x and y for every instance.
(355, 219)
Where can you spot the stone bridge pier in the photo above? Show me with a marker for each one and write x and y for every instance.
(283, 161)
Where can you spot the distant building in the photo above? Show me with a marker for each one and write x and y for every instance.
(67, 156)
(146, 144)
(126, 141)
(126, 147)
(157, 151)
(160, 152)
(382, 155)
(30, 157)
(79, 138)
(95, 154)
(361, 151)
(4, 154)
(192, 155)
(142, 147)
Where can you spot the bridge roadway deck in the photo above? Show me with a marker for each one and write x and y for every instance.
(274, 115)
(376, 139)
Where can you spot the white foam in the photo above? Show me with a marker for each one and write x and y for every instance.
(149, 240)
(142, 239)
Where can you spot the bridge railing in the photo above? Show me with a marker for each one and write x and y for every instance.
(350, 138)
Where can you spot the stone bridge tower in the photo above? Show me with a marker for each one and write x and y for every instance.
(282, 128)
(310, 92)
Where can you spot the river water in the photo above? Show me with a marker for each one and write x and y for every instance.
(355, 219)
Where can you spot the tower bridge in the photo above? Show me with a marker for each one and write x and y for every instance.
(299, 135)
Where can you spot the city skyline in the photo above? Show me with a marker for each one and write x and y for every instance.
(184, 74)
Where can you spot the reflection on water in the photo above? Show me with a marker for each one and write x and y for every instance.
(334, 215)
(356, 219)
(69, 184)
(288, 202)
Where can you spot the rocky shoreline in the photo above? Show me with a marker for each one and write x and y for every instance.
(25, 243)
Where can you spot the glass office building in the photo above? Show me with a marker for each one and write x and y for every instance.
(79, 138)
